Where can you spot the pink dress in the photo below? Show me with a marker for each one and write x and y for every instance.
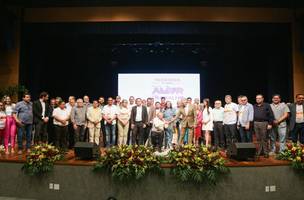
(198, 129)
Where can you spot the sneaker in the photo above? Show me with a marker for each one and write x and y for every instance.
(19, 152)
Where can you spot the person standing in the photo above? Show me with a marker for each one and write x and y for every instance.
(117, 101)
(198, 129)
(109, 114)
(41, 114)
(281, 112)
(169, 117)
(245, 119)
(139, 121)
(61, 121)
(101, 102)
(187, 113)
(230, 121)
(151, 116)
(296, 122)
(86, 101)
(2, 123)
(50, 126)
(162, 103)
(263, 119)
(218, 129)
(23, 115)
(71, 132)
(207, 122)
(78, 119)
(94, 117)
(10, 127)
(157, 131)
(123, 117)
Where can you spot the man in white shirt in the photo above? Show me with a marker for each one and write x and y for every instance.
(109, 114)
(139, 121)
(218, 117)
(61, 121)
(230, 121)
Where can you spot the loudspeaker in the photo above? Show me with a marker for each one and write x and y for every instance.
(86, 151)
(243, 151)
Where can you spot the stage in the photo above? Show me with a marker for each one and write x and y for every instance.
(246, 180)
(70, 159)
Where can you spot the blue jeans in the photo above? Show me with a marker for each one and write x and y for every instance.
(281, 132)
(298, 132)
(110, 134)
(169, 137)
(246, 135)
(27, 129)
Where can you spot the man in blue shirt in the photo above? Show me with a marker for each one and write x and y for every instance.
(23, 114)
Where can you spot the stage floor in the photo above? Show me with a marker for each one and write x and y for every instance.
(71, 160)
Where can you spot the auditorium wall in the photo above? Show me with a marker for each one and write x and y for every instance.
(9, 64)
(80, 182)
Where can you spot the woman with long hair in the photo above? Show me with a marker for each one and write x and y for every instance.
(198, 128)
(10, 128)
(169, 114)
(207, 121)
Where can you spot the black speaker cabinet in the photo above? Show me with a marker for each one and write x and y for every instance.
(243, 151)
(86, 151)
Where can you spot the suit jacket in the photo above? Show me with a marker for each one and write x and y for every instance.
(152, 113)
(292, 116)
(144, 115)
(37, 111)
(189, 119)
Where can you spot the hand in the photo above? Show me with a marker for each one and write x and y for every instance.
(276, 122)
(74, 126)
(238, 127)
(132, 126)
(269, 127)
(46, 120)
(144, 125)
(247, 126)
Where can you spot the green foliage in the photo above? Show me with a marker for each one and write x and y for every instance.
(198, 164)
(129, 162)
(41, 159)
(12, 90)
(295, 154)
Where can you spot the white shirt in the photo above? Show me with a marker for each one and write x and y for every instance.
(299, 114)
(158, 125)
(9, 109)
(43, 108)
(110, 112)
(130, 106)
(230, 113)
(61, 114)
(218, 114)
(138, 117)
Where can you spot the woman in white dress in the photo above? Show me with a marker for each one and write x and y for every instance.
(207, 121)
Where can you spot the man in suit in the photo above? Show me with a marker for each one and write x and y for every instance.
(139, 121)
(187, 113)
(41, 112)
(151, 116)
(296, 122)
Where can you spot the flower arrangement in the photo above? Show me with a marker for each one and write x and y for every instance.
(41, 159)
(295, 154)
(128, 162)
(198, 164)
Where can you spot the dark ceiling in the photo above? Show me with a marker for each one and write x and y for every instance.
(239, 3)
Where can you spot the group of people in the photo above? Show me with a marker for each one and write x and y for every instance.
(143, 121)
